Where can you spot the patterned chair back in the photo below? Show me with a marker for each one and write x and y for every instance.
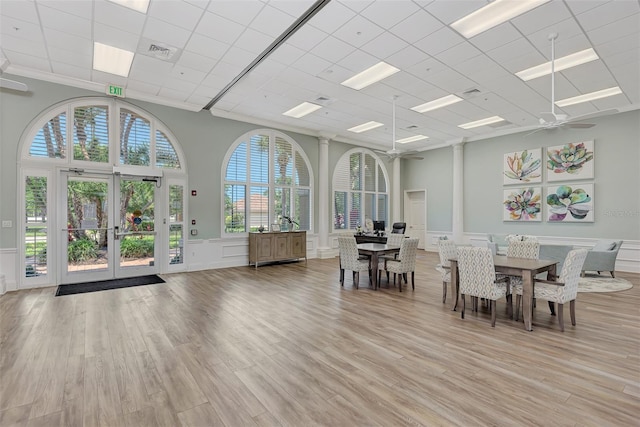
(570, 275)
(407, 255)
(477, 273)
(348, 249)
(447, 250)
(395, 239)
(524, 249)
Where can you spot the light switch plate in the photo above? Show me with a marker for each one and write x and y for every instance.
(7, 224)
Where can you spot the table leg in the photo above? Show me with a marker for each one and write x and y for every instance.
(551, 275)
(455, 284)
(527, 298)
(374, 270)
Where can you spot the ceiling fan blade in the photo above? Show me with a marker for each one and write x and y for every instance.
(548, 117)
(579, 125)
(14, 85)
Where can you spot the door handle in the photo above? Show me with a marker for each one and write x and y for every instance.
(116, 234)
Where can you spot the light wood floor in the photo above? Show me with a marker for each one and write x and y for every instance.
(285, 345)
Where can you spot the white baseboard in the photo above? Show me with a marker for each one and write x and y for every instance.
(8, 262)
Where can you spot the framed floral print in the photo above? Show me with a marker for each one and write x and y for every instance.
(522, 204)
(570, 203)
(570, 161)
(522, 167)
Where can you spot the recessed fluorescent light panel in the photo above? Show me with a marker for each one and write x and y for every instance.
(111, 59)
(365, 127)
(437, 103)
(483, 122)
(563, 63)
(495, 13)
(411, 139)
(302, 110)
(137, 5)
(589, 97)
(371, 75)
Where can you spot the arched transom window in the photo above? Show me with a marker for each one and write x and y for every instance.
(267, 180)
(360, 190)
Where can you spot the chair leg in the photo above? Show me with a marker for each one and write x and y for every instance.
(510, 306)
(612, 274)
(493, 313)
(518, 301)
(552, 307)
(561, 316)
(572, 312)
(463, 305)
(444, 292)
(356, 278)
(413, 282)
(399, 281)
(342, 277)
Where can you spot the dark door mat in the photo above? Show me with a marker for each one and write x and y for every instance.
(103, 285)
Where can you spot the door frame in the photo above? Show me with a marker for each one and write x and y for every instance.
(407, 207)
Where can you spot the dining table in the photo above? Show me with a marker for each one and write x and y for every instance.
(374, 250)
(512, 266)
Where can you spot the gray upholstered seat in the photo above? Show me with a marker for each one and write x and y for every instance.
(602, 257)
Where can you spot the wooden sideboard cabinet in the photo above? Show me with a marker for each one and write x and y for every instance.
(277, 246)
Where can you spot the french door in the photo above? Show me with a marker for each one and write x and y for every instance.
(110, 228)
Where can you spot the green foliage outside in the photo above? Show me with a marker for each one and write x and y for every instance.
(82, 250)
(137, 248)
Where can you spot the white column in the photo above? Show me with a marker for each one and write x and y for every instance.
(458, 192)
(324, 201)
(395, 193)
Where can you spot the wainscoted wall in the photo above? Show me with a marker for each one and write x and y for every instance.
(8, 262)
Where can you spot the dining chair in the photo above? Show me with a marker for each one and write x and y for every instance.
(562, 291)
(478, 279)
(529, 249)
(350, 259)
(405, 263)
(392, 240)
(446, 250)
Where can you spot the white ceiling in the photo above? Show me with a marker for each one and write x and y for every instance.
(216, 40)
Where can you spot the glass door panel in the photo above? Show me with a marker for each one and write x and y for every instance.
(136, 228)
(88, 229)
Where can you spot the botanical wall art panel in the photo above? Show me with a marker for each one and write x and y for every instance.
(522, 167)
(570, 161)
(522, 204)
(570, 203)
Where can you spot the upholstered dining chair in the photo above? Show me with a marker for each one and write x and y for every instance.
(350, 259)
(562, 291)
(478, 279)
(392, 240)
(446, 250)
(529, 249)
(405, 263)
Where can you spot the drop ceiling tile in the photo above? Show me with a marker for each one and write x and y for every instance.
(389, 13)
(439, 41)
(356, 5)
(417, 26)
(114, 37)
(178, 13)
(581, 6)
(82, 72)
(442, 9)
(218, 28)
(358, 31)
(517, 48)
(163, 32)
(22, 10)
(269, 68)
(615, 47)
(590, 77)
(495, 37)
(426, 67)
(293, 8)
(22, 29)
(253, 41)
(21, 60)
(272, 21)
(184, 86)
(198, 99)
(241, 15)
(153, 70)
(113, 15)
(608, 13)
(358, 61)
(311, 64)
(205, 46)
(333, 16)
(225, 70)
(406, 58)
(286, 54)
(16, 44)
(616, 30)
(629, 58)
(77, 8)
(61, 21)
(566, 30)
(458, 53)
(332, 49)
(173, 94)
(196, 62)
(106, 78)
(307, 37)
(542, 16)
(384, 45)
(58, 39)
(184, 74)
(69, 57)
(335, 74)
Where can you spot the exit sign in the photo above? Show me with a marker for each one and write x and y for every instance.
(114, 90)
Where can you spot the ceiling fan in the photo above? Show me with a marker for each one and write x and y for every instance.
(10, 84)
(552, 120)
(394, 152)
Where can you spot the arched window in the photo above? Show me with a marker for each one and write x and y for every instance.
(267, 180)
(360, 190)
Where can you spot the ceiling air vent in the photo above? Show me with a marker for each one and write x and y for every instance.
(470, 93)
(412, 127)
(323, 100)
(158, 50)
